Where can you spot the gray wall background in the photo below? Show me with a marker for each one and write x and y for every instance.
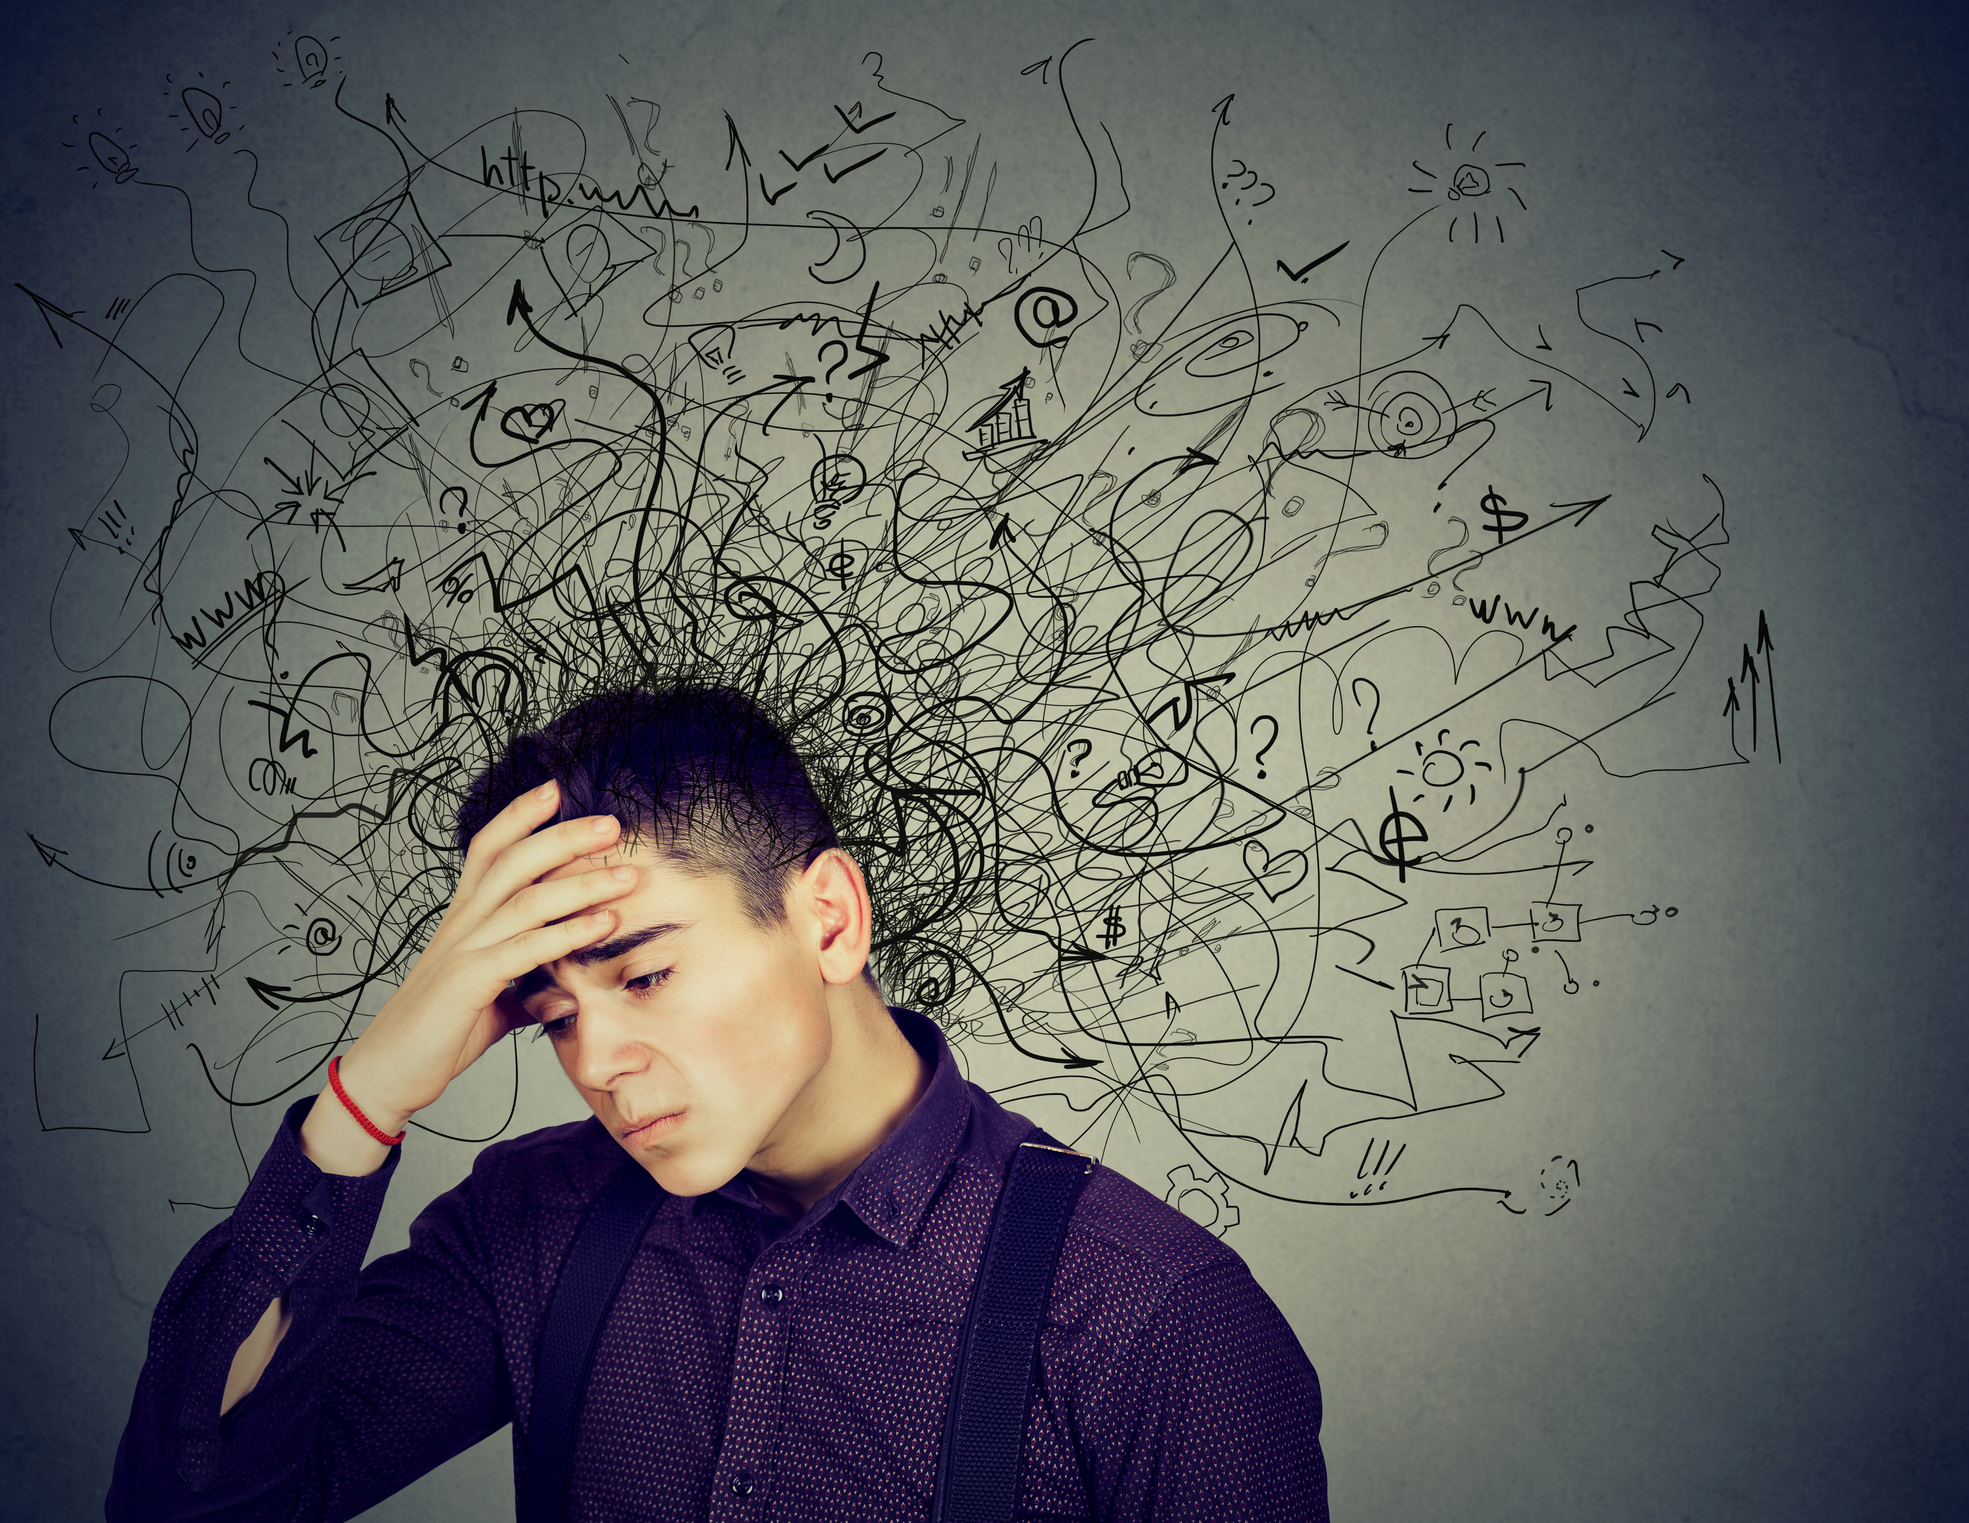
(1753, 1308)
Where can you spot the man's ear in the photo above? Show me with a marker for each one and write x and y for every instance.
(833, 891)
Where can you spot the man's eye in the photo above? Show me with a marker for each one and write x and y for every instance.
(554, 1029)
(648, 981)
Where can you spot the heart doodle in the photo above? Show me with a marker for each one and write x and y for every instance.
(1277, 875)
(530, 423)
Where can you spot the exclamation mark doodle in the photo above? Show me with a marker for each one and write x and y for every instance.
(1373, 1170)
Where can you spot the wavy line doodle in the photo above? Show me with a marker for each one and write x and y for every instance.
(1184, 798)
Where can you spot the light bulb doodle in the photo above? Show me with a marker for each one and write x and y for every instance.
(207, 113)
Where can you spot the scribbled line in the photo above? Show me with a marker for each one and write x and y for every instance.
(1039, 556)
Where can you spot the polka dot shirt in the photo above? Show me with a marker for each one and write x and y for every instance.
(751, 1369)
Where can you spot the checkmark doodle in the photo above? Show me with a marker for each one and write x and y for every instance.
(1301, 273)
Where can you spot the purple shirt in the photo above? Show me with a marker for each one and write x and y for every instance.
(750, 1369)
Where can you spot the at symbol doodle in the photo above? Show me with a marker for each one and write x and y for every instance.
(1043, 310)
(323, 938)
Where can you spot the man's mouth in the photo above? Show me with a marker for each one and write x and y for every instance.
(655, 1126)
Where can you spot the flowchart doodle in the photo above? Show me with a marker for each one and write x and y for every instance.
(1215, 729)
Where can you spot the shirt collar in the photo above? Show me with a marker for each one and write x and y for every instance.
(892, 1187)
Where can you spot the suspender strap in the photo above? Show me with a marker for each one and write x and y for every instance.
(592, 1272)
(984, 1435)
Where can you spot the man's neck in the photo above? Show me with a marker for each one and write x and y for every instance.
(872, 1080)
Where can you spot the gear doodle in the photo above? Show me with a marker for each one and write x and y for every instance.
(1205, 1201)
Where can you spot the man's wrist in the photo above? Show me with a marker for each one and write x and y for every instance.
(336, 1142)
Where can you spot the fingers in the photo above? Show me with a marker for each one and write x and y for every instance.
(527, 858)
(515, 822)
(539, 945)
(552, 900)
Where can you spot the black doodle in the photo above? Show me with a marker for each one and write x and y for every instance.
(1105, 600)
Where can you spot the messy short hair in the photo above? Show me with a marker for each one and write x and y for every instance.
(700, 774)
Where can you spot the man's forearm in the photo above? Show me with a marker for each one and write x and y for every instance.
(336, 1143)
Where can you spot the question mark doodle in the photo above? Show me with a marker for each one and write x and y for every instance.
(1375, 711)
(1168, 280)
(828, 379)
(1260, 757)
(417, 365)
(1468, 563)
(1086, 750)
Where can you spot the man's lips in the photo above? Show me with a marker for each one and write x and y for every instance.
(642, 1131)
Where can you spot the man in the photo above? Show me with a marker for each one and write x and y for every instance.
(665, 899)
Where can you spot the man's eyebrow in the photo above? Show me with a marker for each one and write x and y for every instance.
(607, 951)
(623, 945)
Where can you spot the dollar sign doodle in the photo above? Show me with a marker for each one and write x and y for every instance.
(1496, 511)
(1395, 839)
(1112, 930)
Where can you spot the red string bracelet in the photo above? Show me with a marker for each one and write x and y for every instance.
(335, 1083)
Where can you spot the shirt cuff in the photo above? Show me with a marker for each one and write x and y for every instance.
(303, 1224)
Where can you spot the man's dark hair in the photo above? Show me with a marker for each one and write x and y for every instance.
(698, 773)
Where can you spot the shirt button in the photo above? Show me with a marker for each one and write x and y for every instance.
(314, 1226)
(772, 1295)
(742, 1484)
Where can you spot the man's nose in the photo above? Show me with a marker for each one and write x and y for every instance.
(605, 1046)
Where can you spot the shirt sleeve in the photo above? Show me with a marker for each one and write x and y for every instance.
(383, 1374)
(1211, 1412)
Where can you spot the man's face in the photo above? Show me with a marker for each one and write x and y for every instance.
(695, 1046)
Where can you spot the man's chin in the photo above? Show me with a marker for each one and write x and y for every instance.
(691, 1174)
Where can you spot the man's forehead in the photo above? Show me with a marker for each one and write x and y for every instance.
(631, 850)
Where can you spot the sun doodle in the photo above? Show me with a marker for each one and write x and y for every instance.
(1467, 183)
(1446, 770)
